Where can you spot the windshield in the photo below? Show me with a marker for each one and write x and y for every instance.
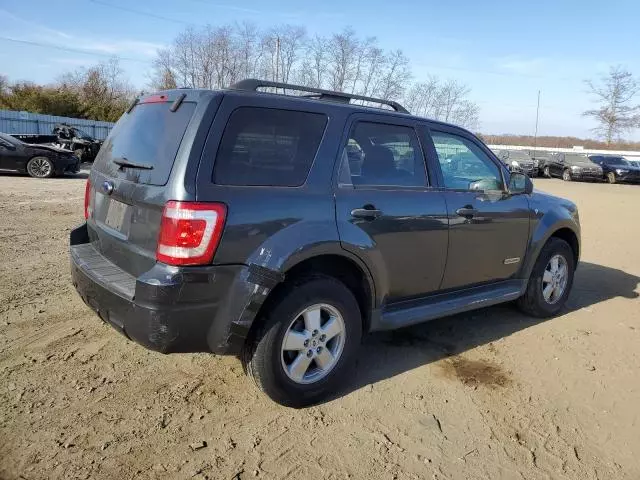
(617, 161)
(149, 135)
(9, 139)
(81, 134)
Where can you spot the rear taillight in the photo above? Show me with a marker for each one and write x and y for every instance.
(87, 194)
(190, 232)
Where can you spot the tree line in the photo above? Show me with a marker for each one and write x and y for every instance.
(218, 56)
(98, 93)
(552, 142)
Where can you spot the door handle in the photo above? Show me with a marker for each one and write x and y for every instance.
(467, 212)
(366, 213)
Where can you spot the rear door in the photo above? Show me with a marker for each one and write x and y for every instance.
(488, 227)
(150, 157)
(386, 209)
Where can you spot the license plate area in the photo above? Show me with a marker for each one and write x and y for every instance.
(117, 216)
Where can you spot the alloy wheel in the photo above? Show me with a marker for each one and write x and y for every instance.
(554, 279)
(39, 167)
(313, 343)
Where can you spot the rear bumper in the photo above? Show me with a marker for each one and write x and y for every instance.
(169, 309)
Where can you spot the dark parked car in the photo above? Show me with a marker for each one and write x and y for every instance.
(617, 169)
(572, 166)
(231, 221)
(40, 161)
(519, 161)
(66, 137)
(540, 159)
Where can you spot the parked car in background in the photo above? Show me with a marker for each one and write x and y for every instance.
(572, 166)
(231, 221)
(617, 169)
(519, 161)
(540, 160)
(66, 137)
(39, 161)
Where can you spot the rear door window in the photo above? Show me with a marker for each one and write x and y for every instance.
(265, 146)
(149, 135)
(378, 154)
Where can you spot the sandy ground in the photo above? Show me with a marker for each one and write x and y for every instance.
(488, 395)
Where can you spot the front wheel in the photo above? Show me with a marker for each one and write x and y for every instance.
(546, 172)
(611, 177)
(40, 167)
(308, 339)
(550, 281)
(566, 175)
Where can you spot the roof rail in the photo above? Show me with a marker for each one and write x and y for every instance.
(252, 84)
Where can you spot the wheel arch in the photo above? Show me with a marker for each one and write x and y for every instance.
(563, 228)
(336, 263)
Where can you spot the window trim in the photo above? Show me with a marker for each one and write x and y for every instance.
(450, 130)
(380, 120)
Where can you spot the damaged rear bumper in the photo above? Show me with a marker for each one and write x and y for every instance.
(171, 309)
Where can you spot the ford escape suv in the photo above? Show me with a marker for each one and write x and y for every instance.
(283, 225)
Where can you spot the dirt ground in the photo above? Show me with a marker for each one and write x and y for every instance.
(489, 395)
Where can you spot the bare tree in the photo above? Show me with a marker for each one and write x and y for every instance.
(215, 57)
(395, 76)
(342, 50)
(292, 42)
(313, 70)
(247, 44)
(102, 89)
(616, 114)
(371, 76)
(163, 76)
(446, 101)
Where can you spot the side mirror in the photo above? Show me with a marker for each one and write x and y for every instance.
(519, 183)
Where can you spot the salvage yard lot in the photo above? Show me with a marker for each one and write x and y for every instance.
(491, 394)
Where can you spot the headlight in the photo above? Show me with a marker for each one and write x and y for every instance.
(515, 164)
(575, 168)
(536, 163)
(620, 171)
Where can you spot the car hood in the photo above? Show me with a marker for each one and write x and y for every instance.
(625, 167)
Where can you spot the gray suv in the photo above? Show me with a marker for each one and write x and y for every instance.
(282, 228)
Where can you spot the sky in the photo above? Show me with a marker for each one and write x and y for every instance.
(505, 51)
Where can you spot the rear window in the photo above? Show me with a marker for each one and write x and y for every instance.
(264, 146)
(149, 135)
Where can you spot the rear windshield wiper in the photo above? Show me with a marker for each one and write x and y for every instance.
(123, 162)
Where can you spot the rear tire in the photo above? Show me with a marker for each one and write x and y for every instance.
(271, 364)
(611, 177)
(40, 167)
(566, 175)
(533, 302)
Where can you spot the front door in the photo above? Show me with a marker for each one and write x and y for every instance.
(8, 155)
(386, 210)
(488, 227)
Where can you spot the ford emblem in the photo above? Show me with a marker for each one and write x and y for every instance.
(107, 187)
